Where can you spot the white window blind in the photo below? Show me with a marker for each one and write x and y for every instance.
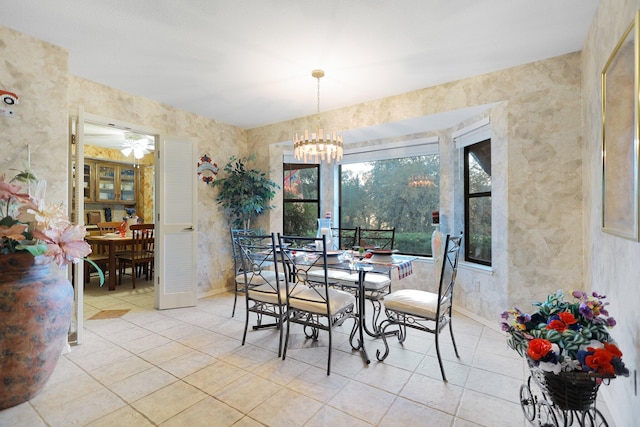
(472, 134)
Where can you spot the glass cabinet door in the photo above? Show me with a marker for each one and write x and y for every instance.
(106, 183)
(86, 182)
(127, 184)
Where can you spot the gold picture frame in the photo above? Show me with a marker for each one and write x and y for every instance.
(620, 136)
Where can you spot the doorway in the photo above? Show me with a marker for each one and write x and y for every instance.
(113, 178)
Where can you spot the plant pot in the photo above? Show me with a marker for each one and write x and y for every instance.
(35, 315)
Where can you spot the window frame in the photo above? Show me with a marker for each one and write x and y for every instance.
(288, 166)
(467, 201)
(428, 146)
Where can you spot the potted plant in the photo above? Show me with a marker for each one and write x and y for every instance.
(567, 346)
(244, 193)
(35, 305)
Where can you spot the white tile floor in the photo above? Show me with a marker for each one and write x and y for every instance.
(186, 367)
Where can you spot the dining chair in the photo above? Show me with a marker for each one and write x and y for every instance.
(376, 238)
(422, 310)
(100, 257)
(265, 291)
(112, 227)
(140, 254)
(109, 227)
(376, 285)
(98, 253)
(237, 264)
(344, 238)
(312, 303)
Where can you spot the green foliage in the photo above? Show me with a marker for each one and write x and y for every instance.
(244, 193)
(381, 197)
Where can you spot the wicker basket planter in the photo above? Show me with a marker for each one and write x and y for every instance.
(574, 391)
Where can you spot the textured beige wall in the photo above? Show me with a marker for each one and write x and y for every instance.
(611, 264)
(37, 72)
(536, 157)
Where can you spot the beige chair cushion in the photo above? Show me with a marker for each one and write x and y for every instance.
(309, 300)
(266, 293)
(372, 281)
(332, 275)
(254, 279)
(412, 301)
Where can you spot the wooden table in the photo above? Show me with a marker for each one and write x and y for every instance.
(111, 242)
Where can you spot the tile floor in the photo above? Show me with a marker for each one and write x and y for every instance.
(187, 367)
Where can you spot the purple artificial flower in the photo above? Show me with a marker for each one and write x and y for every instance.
(578, 294)
(505, 326)
(505, 315)
(611, 322)
(586, 311)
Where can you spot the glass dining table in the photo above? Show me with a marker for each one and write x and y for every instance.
(403, 263)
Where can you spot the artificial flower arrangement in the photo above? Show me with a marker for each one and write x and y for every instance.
(31, 225)
(563, 336)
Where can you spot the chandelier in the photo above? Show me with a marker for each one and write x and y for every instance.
(420, 181)
(318, 144)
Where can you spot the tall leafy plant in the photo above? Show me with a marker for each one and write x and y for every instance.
(244, 193)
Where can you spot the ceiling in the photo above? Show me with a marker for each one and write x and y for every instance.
(248, 62)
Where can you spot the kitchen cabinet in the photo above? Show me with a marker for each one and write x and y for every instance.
(109, 182)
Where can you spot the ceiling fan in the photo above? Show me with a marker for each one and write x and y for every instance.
(139, 145)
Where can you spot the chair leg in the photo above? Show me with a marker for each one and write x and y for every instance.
(444, 377)
(133, 274)
(235, 300)
(286, 338)
(330, 340)
(453, 340)
(246, 323)
(281, 328)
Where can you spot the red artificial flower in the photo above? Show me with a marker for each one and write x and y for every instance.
(600, 361)
(563, 321)
(567, 318)
(613, 349)
(558, 325)
(538, 348)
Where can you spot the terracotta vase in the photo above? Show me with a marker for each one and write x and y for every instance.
(35, 315)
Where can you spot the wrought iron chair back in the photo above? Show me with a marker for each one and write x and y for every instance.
(312, 302)
(237, 264)
(425, 311)
(263, 284)
(345, 238)
(376, 238)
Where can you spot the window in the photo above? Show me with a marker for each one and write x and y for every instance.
(394, 192)
(301, 183)
(477, 202)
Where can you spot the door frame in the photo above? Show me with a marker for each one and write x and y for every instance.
(82, 118)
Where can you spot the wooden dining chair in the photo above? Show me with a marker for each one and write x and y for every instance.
(99, 254)
(109, 227)
(423, 310)
(312, 303)
(140, 253)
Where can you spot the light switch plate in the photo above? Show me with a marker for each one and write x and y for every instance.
(7, 112)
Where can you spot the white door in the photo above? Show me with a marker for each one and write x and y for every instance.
(176, 235)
